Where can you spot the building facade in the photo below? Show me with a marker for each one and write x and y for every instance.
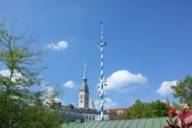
(116, 114)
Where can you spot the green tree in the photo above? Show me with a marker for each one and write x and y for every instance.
(145, 110)
(183, 90)
(158, 108)
(19, 106)
(135, 111)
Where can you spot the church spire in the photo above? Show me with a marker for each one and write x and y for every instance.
(84, 91)
(85, 72)
(84, 85)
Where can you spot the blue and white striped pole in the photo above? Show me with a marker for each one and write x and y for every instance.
(102, 44)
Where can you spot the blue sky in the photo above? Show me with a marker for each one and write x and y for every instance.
(149, 44)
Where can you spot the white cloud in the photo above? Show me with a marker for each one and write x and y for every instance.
(50, 91)
(16, 76)
(109, 103)
(165, 87)
(57, 99)
(50, 95)
(124, 78)
(69, 84)
(7, 73)
(58, 46)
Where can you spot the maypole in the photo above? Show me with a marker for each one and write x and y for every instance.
(101, 45)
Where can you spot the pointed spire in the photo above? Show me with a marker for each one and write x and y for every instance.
(84, 85)
(85, 72)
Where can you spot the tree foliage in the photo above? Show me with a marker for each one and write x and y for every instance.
(183, 90)
(19, 106)
(144, 110)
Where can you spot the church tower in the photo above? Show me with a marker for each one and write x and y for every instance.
(84, 91)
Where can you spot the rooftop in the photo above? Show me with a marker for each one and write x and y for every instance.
(135, 123)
